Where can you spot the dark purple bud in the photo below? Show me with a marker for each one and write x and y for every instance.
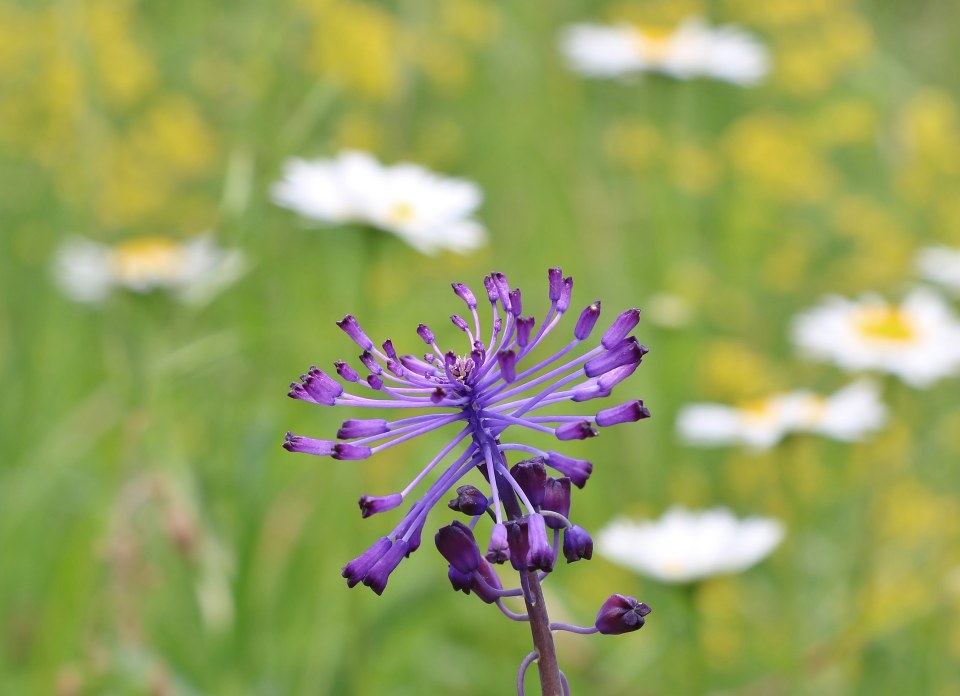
(389, 350)
(581, 430)
(625, 353)
(375, 382)
(307, 445)
(503, 290)
(491, 289)
(541, 551)
(624, 413)
(362, 428)
(519, 544)
(461, 582)
(347, 372)
(524, 328)
(612, 378)
(586, 322)
(563, 302)
(556, 498)
(372, 504)
(356, 569)
(516, 302)
(322, 388)
(344, 450)
(621, 326)
(353, 330)
(531, 476)
(469, 501)
(577, 544)
(438, 395)
(621, 614)
(459, 322)
(455, 543)
(498, 550)
(486, 590)
(555, 276)
(376, 578)
(508, 365)
(464, 293)
(424, 332)
(370, 362)
(577, 470)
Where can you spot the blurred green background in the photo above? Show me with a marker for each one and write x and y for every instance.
(155, 538)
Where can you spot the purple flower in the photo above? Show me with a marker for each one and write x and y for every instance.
(487, 390)
(621, 614)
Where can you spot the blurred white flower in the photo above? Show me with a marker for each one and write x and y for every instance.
(918, 341)
(193, 271)
(694, 49)
(847, 415)
(427, 211)
(940, 265)
(684, 546)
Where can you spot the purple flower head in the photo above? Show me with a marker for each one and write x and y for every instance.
(493, 386)
(621, 614)
(577, 544)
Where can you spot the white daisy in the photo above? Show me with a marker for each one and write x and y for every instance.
(847, 415)
(684, 546)
(193, 271)
(940, 265)
(428, 211)
(918, 341)
(692, 50)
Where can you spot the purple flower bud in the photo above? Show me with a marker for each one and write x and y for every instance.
(556, 498)
(491, 289)
(389, 350)
(608, 381)
(503, 290)
(577, 470)
(322, 388)
(376, 578)
(424, 332)
(626, 352)
(589, 390)
(353, 330)
(370, 362)
(498, 551)
(362, 428)
(307, 445)
(344, 450)
(356, 569)
(464, 293)
(563, 302)
(375, 382)
(347, 372)
(459, 322)
(415, 365)
(555, 276)
(629, 412)
(516, 302)
(491, 580)
(581, 430)
(470, 501)
(541, 551)
(519, 544)
(621, 614)
(577, 544)
(524, 328)
(621, 326)
(395, 368)
(455, 543)
(413, 543)
(531, 476)
(461, 582)
(508, 365)
(372, 504)
(586, 322)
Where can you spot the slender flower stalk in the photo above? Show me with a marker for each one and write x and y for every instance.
(487, 392)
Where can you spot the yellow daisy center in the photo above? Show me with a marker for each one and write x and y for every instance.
(653, 44)
(761, 411)
(886, 324)
(401, 214)
(147, 259)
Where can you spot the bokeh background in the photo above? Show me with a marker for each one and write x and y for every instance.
(155, 538)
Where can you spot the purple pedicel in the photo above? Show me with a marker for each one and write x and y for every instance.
(487, 391)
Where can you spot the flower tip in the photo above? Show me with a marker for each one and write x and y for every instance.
(372, 504)
(581, 430)
(577, 544)
(350, 327)
(629, 412)
(621, 614)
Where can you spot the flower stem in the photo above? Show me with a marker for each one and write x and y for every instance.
(550, 682)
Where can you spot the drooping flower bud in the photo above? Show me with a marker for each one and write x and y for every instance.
(621, 614)
(519, 544)
(541, 551)
(498, 551)
(577, 544)
(455, 543)
(556, 499)
(531, 476)
(470, 501)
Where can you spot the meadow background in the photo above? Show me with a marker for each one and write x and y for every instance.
(155, 538)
